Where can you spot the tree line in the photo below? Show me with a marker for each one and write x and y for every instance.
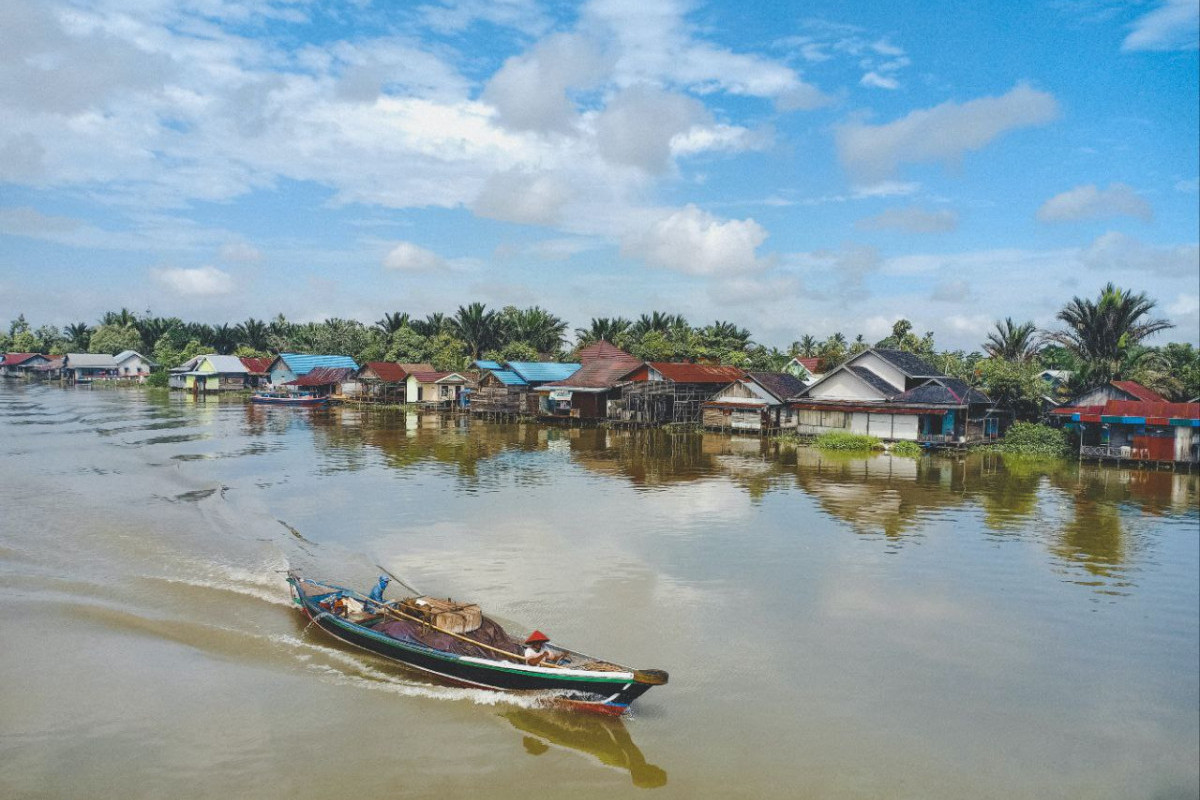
(1097, 340)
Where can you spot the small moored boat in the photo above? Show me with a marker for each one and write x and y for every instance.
(457, 643)
(284, 399)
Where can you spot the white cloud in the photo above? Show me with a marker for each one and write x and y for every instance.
(240, 252)
(1089, 202)
(910, 219)
(1116, 252)
(408, 257)
(942, 133)
(523, 196)
(530, 90)
(695, 242)
(637, 127)
(1171, 26)
(754, 290)
(874, 80)
(1185, 304)
(956, 291)
(200, 282)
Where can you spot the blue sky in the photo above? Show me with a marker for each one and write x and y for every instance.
(795, 167)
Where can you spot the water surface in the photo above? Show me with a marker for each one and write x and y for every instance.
(834, 627)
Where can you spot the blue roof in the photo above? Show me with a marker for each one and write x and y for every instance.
(303, 364)
(509, 378)
(543, 371)
(488, 365)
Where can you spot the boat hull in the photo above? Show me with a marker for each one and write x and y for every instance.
(580, 689)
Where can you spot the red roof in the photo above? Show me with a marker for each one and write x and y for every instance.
(256, 365)
(322, 376)
(13, 359)
(388, 371)
(697, 373)
(1140, 392)
(431, 376)
(813, 364)
(409, 369)
(601, 374)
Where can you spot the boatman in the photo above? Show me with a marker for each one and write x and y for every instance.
(536, 652)
(377, 593)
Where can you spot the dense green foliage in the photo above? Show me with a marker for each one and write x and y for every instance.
(1032, 439)
(839, 440)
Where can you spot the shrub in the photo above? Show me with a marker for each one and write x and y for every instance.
(847, 441)
(906, 449)
(158, 379)
(1033, 439)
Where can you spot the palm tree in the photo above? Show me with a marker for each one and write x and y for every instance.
(432, 325)
(78, 335)
(806, 347)
(603, 329)
(392, 322)
(224, 339)
(536, 327)
(1010, 342)
(151, 329)
(255, 334)
(478, 328)
(1103, 334)
(122, 319)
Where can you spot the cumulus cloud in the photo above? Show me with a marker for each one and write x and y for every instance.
(910, 219)
(695, 242)
(1117, 252)
(530, 90)
(874, 80)
(408, 257)
(943, 133)
(1089, 202)
(522, 196)
(1171, 26)
(200, 282)
(637, 127)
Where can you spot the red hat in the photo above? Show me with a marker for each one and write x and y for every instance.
(537, 636)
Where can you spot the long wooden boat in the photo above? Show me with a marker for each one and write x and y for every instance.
(279, 399)
(488, 658)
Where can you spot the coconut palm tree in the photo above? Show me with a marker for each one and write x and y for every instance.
(806, 346)
(122, 319)
(255, 334)
(1011, 342)
(1103, 334)
(478, 328)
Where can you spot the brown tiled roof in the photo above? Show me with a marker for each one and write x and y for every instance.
(322, 376)
(411, 368)
(697, 373)
(813, 365)
(599, 350)
(388, 371)
(598, 374)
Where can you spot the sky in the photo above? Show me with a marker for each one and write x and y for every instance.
(793, 167)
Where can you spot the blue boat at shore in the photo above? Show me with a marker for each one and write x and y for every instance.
(285, 399)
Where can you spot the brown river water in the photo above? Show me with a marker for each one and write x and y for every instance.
(834, 627)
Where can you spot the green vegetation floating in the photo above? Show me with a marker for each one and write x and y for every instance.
(847, 441)
(906, 449)
(1033, 439)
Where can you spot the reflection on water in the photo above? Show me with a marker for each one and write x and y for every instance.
(962, 626)
(605, 739)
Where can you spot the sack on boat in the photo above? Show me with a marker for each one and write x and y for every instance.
(444, 614)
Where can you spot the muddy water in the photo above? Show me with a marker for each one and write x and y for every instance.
(834, 627)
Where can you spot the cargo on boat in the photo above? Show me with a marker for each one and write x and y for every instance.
(458, 643)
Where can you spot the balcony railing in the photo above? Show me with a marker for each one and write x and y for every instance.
(1104, 451)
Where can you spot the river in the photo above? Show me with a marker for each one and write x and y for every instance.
(834, 627)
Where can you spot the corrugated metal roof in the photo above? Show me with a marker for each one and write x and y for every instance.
(508, 377)
(256, 365)
(302, 363)
(943, 391)
(488, 365)
(227, 365)
(421, 367)
(1135, 408)
(13, 359)
(697, 373)
(124, 354)
(91, 361)
(600, 350)
(543, 371)
(1140, 392)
